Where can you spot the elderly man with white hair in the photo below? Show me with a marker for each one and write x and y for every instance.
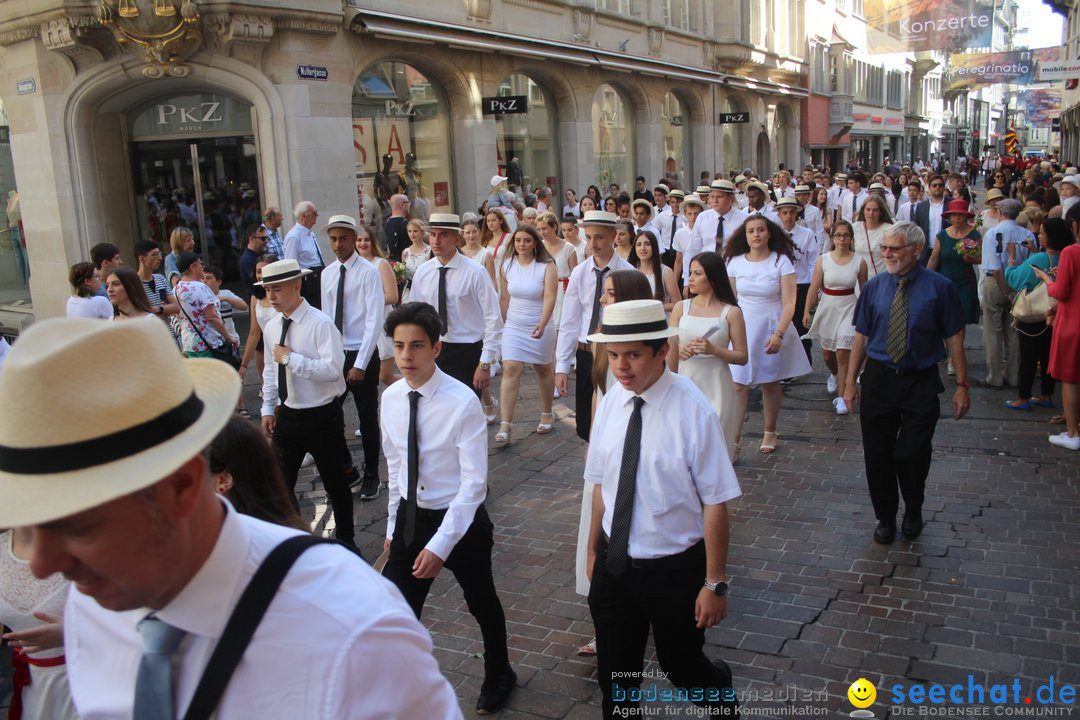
(1007, 244)
(302, 246)
(904, 321)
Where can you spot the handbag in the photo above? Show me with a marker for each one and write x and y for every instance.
(1031, 305)
(222, 352)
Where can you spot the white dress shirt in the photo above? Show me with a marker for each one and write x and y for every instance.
(472, 306)
(845, 204)
(935, 210)
(311, 656)
(903, 213)
(364, 301)
(302, 246)
(813, 220)
(684, 463)
(578, 306)
(313, 374)
(662, 225)
(683, 242)
(452, 434)
(832, 197)
(806, 253)
(707, 222)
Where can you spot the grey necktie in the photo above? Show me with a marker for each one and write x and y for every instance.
(153, 684)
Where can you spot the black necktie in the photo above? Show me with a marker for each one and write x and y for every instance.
(594, 320)
(414, 469)
(674, 227)
(442, 300)
(282, 384)
(854, 199)
(339, 311)
(622, 514)
(720, 234)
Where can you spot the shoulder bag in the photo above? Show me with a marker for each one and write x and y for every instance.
(1031, 306)
(222, 352)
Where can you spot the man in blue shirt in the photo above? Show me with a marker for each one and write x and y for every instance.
(903, 321)
(1005, 245)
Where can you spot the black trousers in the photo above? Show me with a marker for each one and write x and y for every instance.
(1034, 351)
(311, 288)
(459, 361)
(899, 413)
(660, 594)
(470, 561)
(583, 392)
(366, 397)
(321, 432)
(800, 307)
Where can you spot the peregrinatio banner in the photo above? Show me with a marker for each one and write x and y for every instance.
(902, 25)
(1020, 67)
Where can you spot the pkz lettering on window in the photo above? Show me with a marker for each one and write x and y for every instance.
(206, 112)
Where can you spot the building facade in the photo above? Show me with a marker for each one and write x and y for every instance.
(111, 135)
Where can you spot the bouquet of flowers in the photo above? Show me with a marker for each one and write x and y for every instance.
(969, 249)
(399, 270)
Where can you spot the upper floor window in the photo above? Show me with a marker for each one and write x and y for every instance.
(618, 6)
(677, 14)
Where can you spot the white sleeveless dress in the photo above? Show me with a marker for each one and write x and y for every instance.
(525, 284)
(384, 343)
(833, 324)
(711, 374)
(562, 268)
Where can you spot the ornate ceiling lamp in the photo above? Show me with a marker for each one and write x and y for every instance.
(153, 30)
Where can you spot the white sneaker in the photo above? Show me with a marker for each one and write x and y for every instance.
(308, 461)
(1066, 441)
(357, 433)
(830, 384)
(840, 405)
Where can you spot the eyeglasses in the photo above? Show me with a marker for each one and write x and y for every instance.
(885, 249)
(260, 237)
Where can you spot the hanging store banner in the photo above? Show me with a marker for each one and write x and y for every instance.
(1061, 70)
(1020, 67)
(903, 25)
(1040, 106)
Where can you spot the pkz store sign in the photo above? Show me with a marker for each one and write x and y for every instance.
(190, 114)
(505, 105)
(735, 117)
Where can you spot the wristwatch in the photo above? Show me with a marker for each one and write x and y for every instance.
(285, 362)
(720, 587)
(965, 383)
(485, 366)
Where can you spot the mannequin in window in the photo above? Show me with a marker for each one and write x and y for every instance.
(414, 188)
(387, 184)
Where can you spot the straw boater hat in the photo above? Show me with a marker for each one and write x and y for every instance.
(341, 221)
(757, 185)
(723, 186)
(878, 186)
(839, 176)
(994, 194)
(676, 193)
(633, 320)
(594, 217)
(802, 189)
(786, 202)
(740, 179)
(702, 190)
(282, 271)
(438, 221)
(661, 187)
(693, 200)
(77, 434)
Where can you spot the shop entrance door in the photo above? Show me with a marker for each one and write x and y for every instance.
(194, 163)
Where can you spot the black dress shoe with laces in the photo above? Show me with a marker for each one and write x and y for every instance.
(885, 533)
(495, 691)
(912, 525)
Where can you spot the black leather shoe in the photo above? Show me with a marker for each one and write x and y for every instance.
(912, 525)
(495, 691)
(352, 476)
(885, 532)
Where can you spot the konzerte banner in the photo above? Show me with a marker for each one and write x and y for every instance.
(967, 70)
(902, 25)
(1040, 106)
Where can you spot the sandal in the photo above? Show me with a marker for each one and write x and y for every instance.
(491, 411)
(767, 446)
(588, 649)
(735, 455)
(1057, 420)
(545, 427)
(502, 438)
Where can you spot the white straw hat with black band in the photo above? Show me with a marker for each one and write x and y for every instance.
(633, 320)
(599, 217)
(95, 410)
(341, 221)
(441, 221)
(282, 271)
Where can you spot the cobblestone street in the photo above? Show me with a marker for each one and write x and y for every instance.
(990, 589)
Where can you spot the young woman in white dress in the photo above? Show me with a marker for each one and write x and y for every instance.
(527, 295)
(415, 255)
(712, 337)
(661, 278)
(570, 234)
(871, 224)
(495, 234)
(369, 249)
(624, 239)
(261, 312)
(761, 264)
(835, 275)
(563, 253)
(473, 247)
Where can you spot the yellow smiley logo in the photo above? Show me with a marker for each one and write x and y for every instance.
(861, 693)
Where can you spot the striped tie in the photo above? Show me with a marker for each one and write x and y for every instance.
(898, 323)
